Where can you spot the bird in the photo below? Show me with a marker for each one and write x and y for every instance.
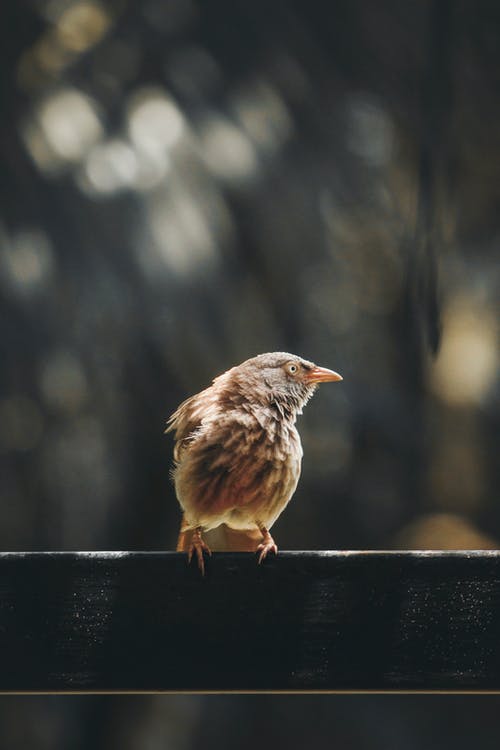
(237, 451)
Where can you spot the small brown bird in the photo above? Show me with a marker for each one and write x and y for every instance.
(237, 451)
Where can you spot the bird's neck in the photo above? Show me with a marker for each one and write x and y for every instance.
(284, 405)
(285, 409)
(293, 400)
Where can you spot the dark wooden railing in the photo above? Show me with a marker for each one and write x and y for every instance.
(303, 621)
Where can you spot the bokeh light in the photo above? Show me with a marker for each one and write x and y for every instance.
(62, 129)
(468, 364)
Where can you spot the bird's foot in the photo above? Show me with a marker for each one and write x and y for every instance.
(199, 546)
(267, 545)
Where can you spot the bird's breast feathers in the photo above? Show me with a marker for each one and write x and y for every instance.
(235, 468)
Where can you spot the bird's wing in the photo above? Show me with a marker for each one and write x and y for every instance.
(186, 421)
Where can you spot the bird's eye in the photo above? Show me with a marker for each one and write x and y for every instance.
(292, 369)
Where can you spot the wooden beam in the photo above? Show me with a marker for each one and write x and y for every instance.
(303, 621)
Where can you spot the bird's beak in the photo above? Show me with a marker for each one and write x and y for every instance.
(322, 375)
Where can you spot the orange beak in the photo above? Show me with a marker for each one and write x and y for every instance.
(322, 375)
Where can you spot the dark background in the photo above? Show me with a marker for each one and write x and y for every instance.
(186, 184)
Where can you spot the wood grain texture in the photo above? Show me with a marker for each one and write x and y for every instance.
(303, 621)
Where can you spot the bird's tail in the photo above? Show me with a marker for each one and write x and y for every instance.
(222, 539)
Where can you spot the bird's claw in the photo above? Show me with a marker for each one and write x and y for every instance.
(268, 545)
(199, 546)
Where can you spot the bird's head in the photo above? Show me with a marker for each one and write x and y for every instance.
(280, 378)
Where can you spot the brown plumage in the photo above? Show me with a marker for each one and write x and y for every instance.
(238, 453)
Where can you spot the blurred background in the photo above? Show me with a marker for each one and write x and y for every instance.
(186, 184)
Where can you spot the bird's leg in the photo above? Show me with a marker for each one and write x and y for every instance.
(185, 534)
(199, 546)
(267, 544)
